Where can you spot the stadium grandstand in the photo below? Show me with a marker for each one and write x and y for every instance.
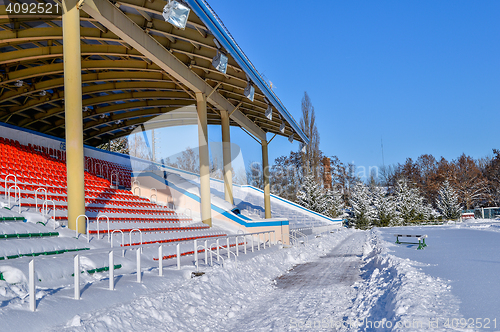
(77, 74)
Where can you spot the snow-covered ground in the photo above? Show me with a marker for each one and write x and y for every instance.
(346, 281)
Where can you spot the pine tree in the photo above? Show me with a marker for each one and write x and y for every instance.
(447, 202)
(361, 202)
(311, 196)
(334, 202)
(385, 208)
(408, 201)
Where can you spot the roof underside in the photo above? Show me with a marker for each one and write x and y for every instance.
(121, 87)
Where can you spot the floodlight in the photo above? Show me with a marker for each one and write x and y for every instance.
(249, 91)
(42, 93)
(176, 14)
(18, 84)
(217, 43)
(269, 112)
(118, 122)
(282, 127)
(290, 138)
(85, 109)
(220, 62)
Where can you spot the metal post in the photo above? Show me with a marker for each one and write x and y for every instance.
(111, 271)
(265, 174)
(206, 208)
(160, 260)
(73, 112)
(178, 256)
(258, 241)
(218, 253)
(227, 242)
(196, 254)
(206, 252)
(245, 246)
(251, 239)
(76, 272)
(236, 245)
(32, 286)
(138, 259)
(226, 157)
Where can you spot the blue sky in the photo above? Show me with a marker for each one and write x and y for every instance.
(423, 76)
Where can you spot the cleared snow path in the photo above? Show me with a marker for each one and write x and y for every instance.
(311, 294)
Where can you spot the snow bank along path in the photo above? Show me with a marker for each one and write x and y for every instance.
(345, 281)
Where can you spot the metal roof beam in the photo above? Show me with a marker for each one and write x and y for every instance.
(116, 21)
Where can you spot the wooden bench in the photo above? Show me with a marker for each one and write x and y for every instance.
(420, 238)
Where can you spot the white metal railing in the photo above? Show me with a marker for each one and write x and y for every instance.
(110, 252)
(36, 196)
(115, 173)
(45, 209)
(138, 186)
(130, 235)
(123, 238)
(19, 196)
(86, 224)
(5, 182)
(103, 216)
(100, 168)
(151, 195)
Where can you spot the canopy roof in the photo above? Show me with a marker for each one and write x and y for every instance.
(126, 79)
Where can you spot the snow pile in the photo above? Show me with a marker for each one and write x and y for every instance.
(13, 286)
(397, 295)
(210, 302)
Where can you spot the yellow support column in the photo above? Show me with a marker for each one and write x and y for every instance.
(205, 202)
(226, 157)
(73, 114)
(265, 174)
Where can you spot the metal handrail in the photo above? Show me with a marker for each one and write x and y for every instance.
(5, 182)
(103, 216)
(87, 224)
(19, 194)
(45, 208)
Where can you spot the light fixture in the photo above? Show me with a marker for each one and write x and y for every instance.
(269, 112)
(85, 109)
(131, 127)
(18, 84)
(42, 93)
(103, 116)
(249, 91)
(176, 14)
(220, 62)
(118, 122)
(282, 127)
(217, 43)
(290, 138)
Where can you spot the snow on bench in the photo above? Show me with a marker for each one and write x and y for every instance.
(420, 238)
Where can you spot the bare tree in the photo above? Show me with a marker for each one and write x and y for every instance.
(138, 147)
(312, 156)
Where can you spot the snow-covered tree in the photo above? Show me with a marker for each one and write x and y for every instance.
(119, 145)
(409, 202)
(310, 195)
(447, 202)
(385, 208)
(334, 202)
(361, 202)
